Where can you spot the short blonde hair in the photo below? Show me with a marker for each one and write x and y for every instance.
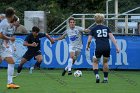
(99, 18)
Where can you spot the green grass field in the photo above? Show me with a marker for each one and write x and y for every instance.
(51, 81)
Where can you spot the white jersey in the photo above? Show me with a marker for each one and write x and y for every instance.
(75, 36)
(5, 28)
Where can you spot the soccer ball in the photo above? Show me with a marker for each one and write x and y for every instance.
(78, 73)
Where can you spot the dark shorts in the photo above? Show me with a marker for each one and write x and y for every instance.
(104, 53)
(30, 54)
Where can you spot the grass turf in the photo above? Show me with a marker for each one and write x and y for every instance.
(51, 81)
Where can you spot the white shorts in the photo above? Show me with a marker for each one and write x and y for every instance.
(7, 52)
(74, 49)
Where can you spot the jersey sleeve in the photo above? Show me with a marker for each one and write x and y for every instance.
(42, 35)
(108, 30)
(3, 27)
(27, 39)
(91, 31)
(81, 29)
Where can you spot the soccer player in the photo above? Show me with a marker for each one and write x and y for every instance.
(101, 35)
(6, 53)
(10, 32)
(32, 41)
(74, 34)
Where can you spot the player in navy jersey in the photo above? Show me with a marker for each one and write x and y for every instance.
(32, 41)
(101, 34)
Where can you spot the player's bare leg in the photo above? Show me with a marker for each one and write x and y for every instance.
(23, 60)
(39, 60)
(10, 72)
(95, 69)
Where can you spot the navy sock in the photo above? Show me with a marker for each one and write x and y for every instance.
(37, 64)
(95, 71)
(19, 68)
(106, 74)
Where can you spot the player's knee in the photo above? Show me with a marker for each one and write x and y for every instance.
(105, 59)
(39, 60)
(75, 57)
(105, 66)
(95, 60)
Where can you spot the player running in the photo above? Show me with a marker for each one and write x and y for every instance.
(6, 53)
(32, 41)
(74, 34)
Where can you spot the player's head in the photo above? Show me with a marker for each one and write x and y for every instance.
(2, 16)
(15, 21)
(9, 13)
(35, 30)
(71, 22)
(99, 18)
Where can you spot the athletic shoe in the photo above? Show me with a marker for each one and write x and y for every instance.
(105, 81)
(17, 74)
(12, 86)
(69, 73)
(97, 80)
(64, 72)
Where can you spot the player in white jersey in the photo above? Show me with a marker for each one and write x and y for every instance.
(4, 25)
(74, 34)
(7, 44)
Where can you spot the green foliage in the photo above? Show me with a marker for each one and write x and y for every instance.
(62, 9)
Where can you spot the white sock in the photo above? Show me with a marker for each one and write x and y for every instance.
(10, 72)
(105, 78)
(70, 64)
(66, 68)
(97, 76)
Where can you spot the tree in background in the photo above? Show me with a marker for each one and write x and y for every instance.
(62, 9)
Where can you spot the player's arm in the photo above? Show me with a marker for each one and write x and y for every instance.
(114, 42)
(89, 41)
(51, 40)
(6, 37)
(61, 37)
(28, 44)
(86, 30)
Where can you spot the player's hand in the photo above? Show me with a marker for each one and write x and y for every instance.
(12, 39)
(87, 48)
(14, 48)
(7, 46)
(34, 44)
(117, 49)
(55, 39)
(52, 41)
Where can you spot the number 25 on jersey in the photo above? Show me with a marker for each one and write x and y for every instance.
(102, 33)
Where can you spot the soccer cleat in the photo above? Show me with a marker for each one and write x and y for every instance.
(17, 74)
(105, 81)
(13, 86)
(64, 72)
(69, 73)
(97, 80)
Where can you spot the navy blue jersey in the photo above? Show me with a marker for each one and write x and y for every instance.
(30, 39)
(101, 35)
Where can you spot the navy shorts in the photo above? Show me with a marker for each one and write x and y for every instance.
(104, 53)
(30, 54)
